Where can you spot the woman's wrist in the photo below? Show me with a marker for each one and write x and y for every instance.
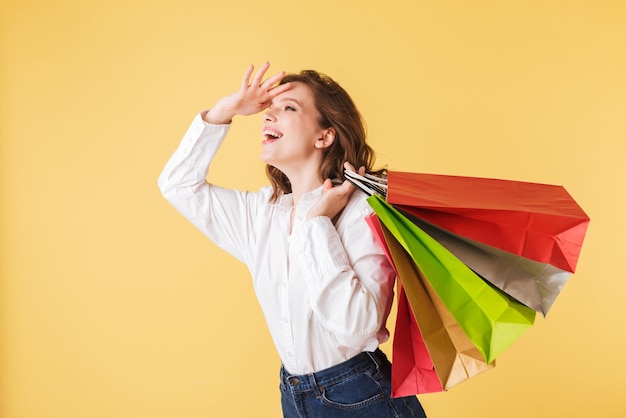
(217, 116)
(222, 113)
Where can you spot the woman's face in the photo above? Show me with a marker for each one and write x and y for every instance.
(292, 136)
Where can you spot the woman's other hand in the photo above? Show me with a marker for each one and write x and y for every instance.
(334, 198)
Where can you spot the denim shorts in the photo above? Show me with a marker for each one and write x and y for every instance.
(359, 387)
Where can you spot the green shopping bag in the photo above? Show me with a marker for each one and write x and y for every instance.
(491, 319)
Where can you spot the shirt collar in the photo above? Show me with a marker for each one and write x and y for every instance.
(304, 204)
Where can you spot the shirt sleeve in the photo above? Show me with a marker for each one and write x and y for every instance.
(221, 214)
(349, 279)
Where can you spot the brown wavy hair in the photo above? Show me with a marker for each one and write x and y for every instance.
(337, 110)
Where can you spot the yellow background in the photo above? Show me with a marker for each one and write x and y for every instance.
(112, 305)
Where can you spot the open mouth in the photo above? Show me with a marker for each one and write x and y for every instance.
(271, 135)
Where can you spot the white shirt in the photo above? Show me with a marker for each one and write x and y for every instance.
(325, 290)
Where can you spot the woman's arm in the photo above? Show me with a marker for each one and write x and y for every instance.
(215, 211)
(223, 215)
(349, 278)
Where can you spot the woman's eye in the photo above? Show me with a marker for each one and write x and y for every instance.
(289, 108)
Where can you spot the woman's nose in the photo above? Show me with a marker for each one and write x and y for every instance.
(268, 116)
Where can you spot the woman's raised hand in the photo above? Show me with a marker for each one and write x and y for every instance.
(253, 96)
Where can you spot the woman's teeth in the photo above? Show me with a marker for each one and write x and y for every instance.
(270, 134)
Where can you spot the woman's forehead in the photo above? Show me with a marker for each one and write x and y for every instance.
(299, 93)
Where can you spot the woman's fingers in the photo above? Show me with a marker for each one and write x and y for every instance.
(271, 81)
(256, 81)
(275, 91)
(245, 81)
(258, 77)
(350, 167)
(262, 90)
(254, 94)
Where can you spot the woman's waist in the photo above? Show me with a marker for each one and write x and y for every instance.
(375, 360)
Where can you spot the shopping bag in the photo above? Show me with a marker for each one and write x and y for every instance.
(532, 283)
(540, 222)
(412, 370)
(490, 318)
(521, 240)
(454, 357)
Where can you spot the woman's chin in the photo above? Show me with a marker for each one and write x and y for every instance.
(266, 159)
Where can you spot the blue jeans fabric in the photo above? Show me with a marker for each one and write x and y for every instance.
(359, 387)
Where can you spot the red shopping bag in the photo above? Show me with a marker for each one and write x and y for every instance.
(538, 221)
(412, 370)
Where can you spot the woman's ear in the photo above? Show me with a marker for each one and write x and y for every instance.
(326, 139)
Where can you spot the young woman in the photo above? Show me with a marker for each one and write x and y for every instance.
(324, 285)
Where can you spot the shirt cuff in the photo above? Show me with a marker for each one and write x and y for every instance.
(319, 247)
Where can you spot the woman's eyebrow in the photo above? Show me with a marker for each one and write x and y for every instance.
(289, 99)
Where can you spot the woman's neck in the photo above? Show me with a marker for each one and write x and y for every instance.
(301, 186)
(303, 178)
